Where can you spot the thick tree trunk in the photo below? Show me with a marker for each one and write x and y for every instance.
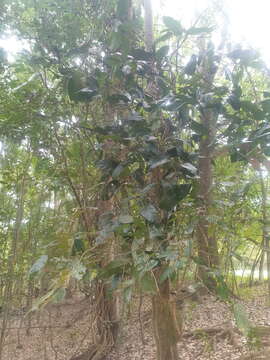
(165, 325)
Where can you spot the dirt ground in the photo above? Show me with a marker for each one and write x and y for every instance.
(62, 330)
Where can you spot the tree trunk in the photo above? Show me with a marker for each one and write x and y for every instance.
(261, 266)
(165, 324)
(206, 240)
(148, 25)
(207, 244)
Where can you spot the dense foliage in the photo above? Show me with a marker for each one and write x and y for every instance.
(102, 140)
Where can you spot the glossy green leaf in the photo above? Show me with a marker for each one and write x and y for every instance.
(173, 25)
(172, 195)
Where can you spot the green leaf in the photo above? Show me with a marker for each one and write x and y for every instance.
(39, 264)
(78, 246)
(190, 168)
(164, 37)
(198, 128)
(266, 94)
(78, 269)
(199, 30)
(173, 104)
(81, 89)
(147, 283)
(162, 52)
(236, 155)
(125, 219)
(158, 162)
(75, 84)
(120, 171)
(266, 150)
(235, 102)
(266, 105)
(45, 299)
(141, 54)
(122, 9)
(244, 55)
(150, 213)
(249, 106)
(119, 98)
(172, 195)
(86, 94)
(167, 273)
(173, 25)
(114, 60)
(59, 295)
(190, 68)
(114, 267)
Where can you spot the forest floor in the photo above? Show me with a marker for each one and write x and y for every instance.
(62, 330)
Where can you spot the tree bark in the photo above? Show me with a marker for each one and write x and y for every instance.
(207, 244)
(206, 240)
(165, 324)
